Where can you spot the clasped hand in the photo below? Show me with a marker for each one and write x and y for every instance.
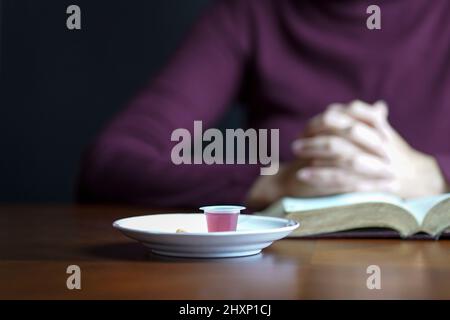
(353, 148)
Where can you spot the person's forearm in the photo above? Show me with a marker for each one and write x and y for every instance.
(442, 161)
(120, 171)
(435, 182)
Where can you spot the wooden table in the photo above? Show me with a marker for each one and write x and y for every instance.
(38, 243)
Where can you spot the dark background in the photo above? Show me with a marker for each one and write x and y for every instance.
(59, 87)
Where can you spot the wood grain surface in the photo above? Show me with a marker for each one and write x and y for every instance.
(37, 243)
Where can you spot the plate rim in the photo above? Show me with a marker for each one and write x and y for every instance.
(292, 225)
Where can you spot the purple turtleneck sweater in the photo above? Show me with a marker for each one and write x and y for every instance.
(287, 60)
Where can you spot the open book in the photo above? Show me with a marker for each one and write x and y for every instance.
(323, 215)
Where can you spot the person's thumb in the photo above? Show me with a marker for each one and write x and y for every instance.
(382, 112)
(381, 108)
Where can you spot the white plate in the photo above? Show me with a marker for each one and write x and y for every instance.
(158, 233)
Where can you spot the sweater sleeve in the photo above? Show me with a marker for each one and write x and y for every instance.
(130, 161)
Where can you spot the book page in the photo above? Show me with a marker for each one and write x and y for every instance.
(306, 204)
(419, 207)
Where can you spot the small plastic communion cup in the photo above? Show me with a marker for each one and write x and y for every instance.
(222, 218)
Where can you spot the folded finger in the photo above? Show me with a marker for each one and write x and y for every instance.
(341, 179)
(336, 121)
(325, 147)
(329, 177)
(333, 119)
(361, 164)
(386, 185)
(373, 115)
(366, 138)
